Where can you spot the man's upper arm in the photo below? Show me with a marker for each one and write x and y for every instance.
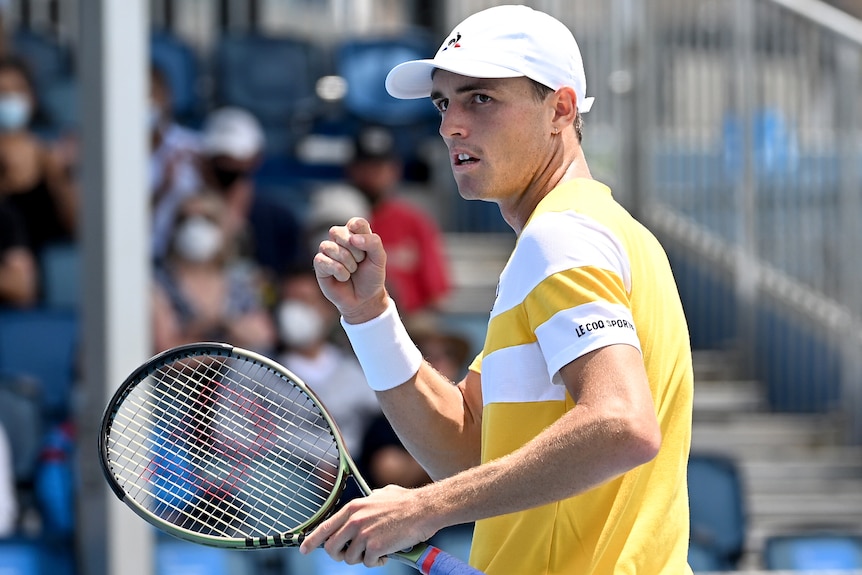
(609, 372)
(612, 384)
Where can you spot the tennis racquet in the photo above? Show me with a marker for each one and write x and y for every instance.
(223, 447)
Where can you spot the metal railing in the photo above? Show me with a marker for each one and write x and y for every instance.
(754, 180)
(732, 129)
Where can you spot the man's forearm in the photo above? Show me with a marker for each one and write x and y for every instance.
(580, 451)
(436, 422)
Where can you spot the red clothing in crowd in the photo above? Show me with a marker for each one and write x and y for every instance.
(417, 275)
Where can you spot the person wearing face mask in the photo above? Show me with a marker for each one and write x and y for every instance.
(35, 177)
(306, 322)
(306, 326)
(233, 149)
(173, 166)
(201, 292)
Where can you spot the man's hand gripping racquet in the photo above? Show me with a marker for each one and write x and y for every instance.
(223, 447)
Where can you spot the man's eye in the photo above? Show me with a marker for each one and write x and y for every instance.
(481, 98)
(441, 105)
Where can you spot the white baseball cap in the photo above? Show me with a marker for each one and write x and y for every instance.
(334, 204)
(232, 132)
(501, 42)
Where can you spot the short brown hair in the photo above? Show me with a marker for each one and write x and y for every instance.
(541, 91)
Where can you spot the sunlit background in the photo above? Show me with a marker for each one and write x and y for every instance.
(731, 128)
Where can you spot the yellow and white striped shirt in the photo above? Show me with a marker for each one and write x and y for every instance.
(583, 275)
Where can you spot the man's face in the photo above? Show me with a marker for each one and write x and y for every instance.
(498, 135)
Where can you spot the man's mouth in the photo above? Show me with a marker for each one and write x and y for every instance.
(464, 158)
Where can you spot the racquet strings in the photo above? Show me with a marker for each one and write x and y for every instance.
(223, 446)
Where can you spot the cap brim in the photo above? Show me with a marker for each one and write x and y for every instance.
(411, 80)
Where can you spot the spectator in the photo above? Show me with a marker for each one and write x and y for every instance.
(201, 292)
(268, 232)
(417, 272)
(332, 205)
(174, 169)
(18, 268)
(306, 321)
(35, 180)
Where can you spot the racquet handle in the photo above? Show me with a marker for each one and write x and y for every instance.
(433, 561)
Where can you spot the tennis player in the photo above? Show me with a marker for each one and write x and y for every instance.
(568, 439)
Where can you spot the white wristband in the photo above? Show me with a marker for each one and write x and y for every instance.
(384, 349)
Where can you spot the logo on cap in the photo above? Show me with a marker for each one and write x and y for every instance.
(453, 42)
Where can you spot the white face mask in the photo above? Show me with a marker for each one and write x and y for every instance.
(198, 239)
(299, 324)
(14, 112)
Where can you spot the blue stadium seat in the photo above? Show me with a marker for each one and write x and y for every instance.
(42, 344)
(26, 556)
(20, 556)
(60, 270)
(364, 64)
(178, 62)
(814, 551)
(60, 99)
(177, 557)
(48, 58)
(717, 505)
(272, 77)
(51, 64)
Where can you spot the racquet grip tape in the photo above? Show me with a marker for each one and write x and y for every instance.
(436, 562)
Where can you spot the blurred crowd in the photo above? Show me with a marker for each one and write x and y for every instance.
(229, 263)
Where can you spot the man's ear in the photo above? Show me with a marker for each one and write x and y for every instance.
(565, 103)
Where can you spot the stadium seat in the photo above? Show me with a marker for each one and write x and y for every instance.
(42, 344)
(717, 505)
(177, 557)
(51, 64)
(178, 62)
(31, 556)
(20, 556)
(60, 269)
(364, 64)
(272, 77)
(60, 99)
(814, 551)
(49, 59)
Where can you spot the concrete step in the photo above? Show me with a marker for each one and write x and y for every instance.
(747, 435)
(716, 398)
(810, 507)
(830, 463)
(714, 365)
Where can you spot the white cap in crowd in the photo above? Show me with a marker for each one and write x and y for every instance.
(334, 204)
(501, 42)
(232, 132)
